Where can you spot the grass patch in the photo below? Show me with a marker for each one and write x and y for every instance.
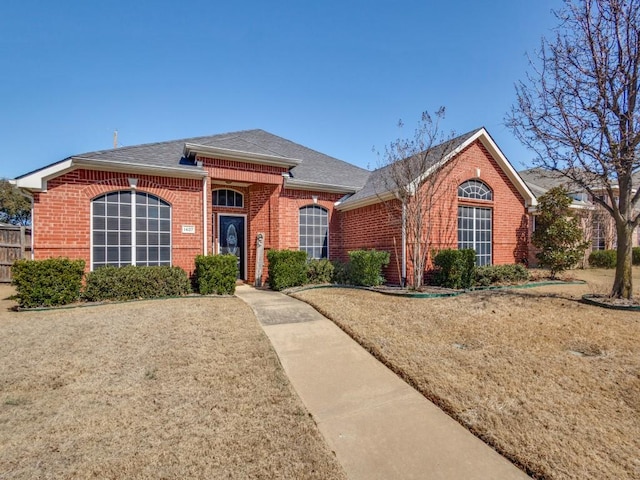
(551, 383)
(182, 389)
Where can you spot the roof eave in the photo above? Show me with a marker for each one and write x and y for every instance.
(496, 153)
(364, 202)
(294, 184)
(240, 156)
(37, 181)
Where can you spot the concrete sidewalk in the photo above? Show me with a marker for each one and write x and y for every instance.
(378, 426)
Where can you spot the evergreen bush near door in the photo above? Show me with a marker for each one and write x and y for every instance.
(216, 274)
(287, 268)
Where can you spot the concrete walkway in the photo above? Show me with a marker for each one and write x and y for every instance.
(378, 426)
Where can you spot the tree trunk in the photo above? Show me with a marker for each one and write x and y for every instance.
(623, 285)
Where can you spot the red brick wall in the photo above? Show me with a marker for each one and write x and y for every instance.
(375, 227)
(61, 221)
(62, 224)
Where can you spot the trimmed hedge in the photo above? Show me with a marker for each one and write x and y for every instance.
(216, 274)
(455, 268)
(287, 268)
(603, 259)
(635, 255)
(47, 283)
(319, 271)
(133, 282)
(341, 272)
(501, 275)
(365, 267)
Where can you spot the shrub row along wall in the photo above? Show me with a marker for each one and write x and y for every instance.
(457, 269)
(58, 281)
(608, 258)
(292, 268)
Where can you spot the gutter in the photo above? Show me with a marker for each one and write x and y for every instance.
(238, 155)
(293, 184)
(139, 168)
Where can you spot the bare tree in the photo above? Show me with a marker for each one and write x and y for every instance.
(411, 184)
(578, 111)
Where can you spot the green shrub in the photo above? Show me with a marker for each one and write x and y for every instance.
(216, 274)
(455, 268)
(287, 268)
(341, 272)
(319, 271)
(603, 259)
(501, 275)
(366, 267)
(47, 283)
(635, 255)
(133, 282)
(558, 235)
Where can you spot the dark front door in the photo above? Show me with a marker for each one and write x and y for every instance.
(232, 239)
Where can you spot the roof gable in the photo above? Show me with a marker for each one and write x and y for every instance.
(376, 189)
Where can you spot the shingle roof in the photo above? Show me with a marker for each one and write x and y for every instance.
(379, 181)
(315, 167)
(539, 179)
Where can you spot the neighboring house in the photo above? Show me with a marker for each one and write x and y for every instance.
(598, 226)
(164, 203)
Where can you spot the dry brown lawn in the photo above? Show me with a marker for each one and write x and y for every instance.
(551, 383)
(183, 388)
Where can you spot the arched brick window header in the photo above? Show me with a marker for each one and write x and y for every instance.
(225, 197)
(475, 189)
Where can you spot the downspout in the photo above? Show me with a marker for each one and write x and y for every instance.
(403, 280)
(205, 197)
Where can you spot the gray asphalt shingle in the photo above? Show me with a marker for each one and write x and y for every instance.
(379, 182)
(315, 167)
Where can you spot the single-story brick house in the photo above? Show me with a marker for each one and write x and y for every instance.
(164, 203)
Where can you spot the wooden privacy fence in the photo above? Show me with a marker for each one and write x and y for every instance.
(15, 243)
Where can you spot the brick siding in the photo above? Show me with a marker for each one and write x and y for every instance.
(61, 222)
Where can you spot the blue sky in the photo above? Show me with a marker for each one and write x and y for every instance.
(335, 76)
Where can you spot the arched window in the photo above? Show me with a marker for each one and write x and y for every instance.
(475, 225)
(314, 231)
(130, 228)
(475, 189)
(228, 198)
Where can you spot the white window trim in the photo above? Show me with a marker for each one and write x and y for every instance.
(491, 244)
(229, 189)
(328, 228)
(133, 223)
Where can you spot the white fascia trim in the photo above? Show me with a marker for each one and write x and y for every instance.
(239, 156)
(574, 206)
(496, 153)
(339, 202)
(494, 150)
(365, 202)
(293, 184)
(126, 167)
(37, 181)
